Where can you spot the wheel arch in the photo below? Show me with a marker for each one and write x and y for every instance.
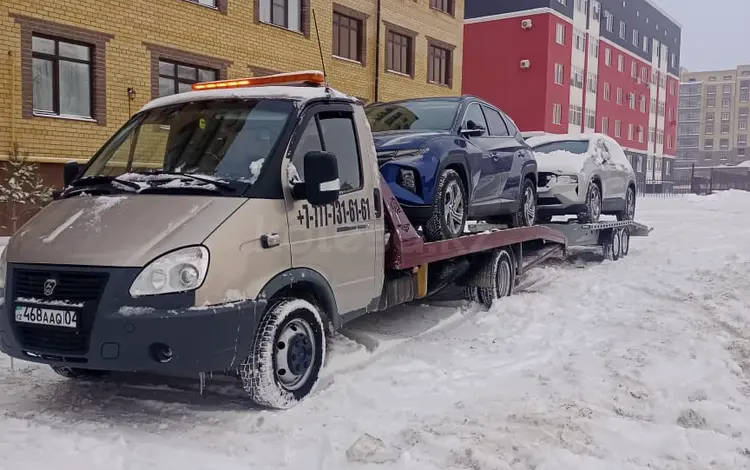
(307, 284)
(457, 162)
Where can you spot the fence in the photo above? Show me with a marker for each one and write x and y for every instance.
(697, 180)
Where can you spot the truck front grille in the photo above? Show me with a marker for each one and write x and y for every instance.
(78, 287)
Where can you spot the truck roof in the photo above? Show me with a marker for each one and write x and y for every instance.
(296, 93)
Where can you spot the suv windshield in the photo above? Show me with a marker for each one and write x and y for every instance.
(412, 115)
(578, 147)
(227, 140)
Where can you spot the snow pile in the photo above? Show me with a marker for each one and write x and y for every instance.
(642, 363)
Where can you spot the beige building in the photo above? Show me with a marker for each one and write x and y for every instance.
(713, 117)
(72, 72)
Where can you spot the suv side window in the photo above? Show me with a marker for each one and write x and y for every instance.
(475, 115)
(512, 128)
(497, 125)
(338, 137)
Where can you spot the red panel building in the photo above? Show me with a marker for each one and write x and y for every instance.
(573, 66)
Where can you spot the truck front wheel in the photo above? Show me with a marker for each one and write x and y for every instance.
(287, 355)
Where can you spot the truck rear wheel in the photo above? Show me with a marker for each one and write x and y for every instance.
(287, 355)
(495, 278)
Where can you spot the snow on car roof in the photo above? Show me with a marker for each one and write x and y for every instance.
(538, 140)
(297, 93)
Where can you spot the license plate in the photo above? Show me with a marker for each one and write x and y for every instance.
(46, 316)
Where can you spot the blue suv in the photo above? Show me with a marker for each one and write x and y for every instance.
(451, 159)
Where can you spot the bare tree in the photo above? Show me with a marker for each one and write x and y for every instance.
(22, 188)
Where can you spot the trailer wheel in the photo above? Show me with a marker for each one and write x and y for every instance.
(287, 355)
(495, 277)
(613, 247)
(624, 241)
(75, 373)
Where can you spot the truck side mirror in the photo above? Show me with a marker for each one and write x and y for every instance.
(322, 184)
(70, 172)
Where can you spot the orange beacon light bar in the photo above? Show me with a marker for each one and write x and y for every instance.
(312, 78)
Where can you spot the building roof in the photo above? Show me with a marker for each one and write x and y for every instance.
(295, 93)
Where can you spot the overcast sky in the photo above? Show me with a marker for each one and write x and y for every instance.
(715, 33)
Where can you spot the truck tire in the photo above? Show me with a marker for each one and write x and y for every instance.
(593, 205)
(75, 373)
(495, 278)
(624, 241)
(287, 354)
(613, 245)
(450, 208)
(526, 214)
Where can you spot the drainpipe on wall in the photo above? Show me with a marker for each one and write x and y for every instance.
(12, 61)
(377, 50)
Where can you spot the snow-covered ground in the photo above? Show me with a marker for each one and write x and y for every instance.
(642, 363)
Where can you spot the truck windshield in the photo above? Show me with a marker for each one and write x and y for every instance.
(220, 139)
(412, 115)
(578, 147)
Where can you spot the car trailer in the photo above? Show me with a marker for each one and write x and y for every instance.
(487, 261)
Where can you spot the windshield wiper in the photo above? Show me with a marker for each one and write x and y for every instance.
(99, 179)
(215, 182)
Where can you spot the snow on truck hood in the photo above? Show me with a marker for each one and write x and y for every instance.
(560, 161)
(117, 230)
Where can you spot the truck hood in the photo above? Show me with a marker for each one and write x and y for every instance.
(128, 230)
(403, 140)
(561, 162)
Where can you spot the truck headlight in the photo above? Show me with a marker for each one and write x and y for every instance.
(177, 271)
(567, 179)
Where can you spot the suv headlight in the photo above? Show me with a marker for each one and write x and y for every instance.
(177, 271)
(567, 179)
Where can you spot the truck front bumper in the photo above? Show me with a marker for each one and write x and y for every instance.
(163, 334)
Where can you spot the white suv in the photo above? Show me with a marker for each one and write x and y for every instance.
(585, 175)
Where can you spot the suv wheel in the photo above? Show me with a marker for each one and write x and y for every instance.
(449, 209)
(287, 355)
(526, 215)
(628, 212)
(79, 374)
(593, 209)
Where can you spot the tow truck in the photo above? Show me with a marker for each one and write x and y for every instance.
(227, 230)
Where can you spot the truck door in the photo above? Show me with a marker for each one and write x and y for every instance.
(336, 240)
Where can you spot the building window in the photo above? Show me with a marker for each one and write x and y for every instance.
(619, 96)
(594, 48)
(711, 102)
(579, 39)
(643, 103)
(177, 78)
(399, 53)
(742, 125)
(708, 144)
(609, 20)
(639, 164)
(674, 60)
(607, 92)
(608, 57)
(644, 74)
(711, 79)
(620, 63)
(576, 77)
(640, 134)
(725, 116)
(709, 116)
(726, 89)
(446, 6)
(62, 77)
(630, 132)
(560, 34)
(348, 38)
(636, 38)
(671, 88)
(605, 126)
(557, 114)
(284, 13)
(576, 115)
(724, 144)
(634, 70)
(623, 30)
(711, 90)
(618, 129)
(725, 103)
(559, 74)
(590, 119)
(645, 44)
(725, 128)
(563, 2)
(741, 141)
(439, 65)
(709, 129)
(631, 100)
(593, 81)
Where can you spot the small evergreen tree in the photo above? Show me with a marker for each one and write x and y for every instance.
(22, 189)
